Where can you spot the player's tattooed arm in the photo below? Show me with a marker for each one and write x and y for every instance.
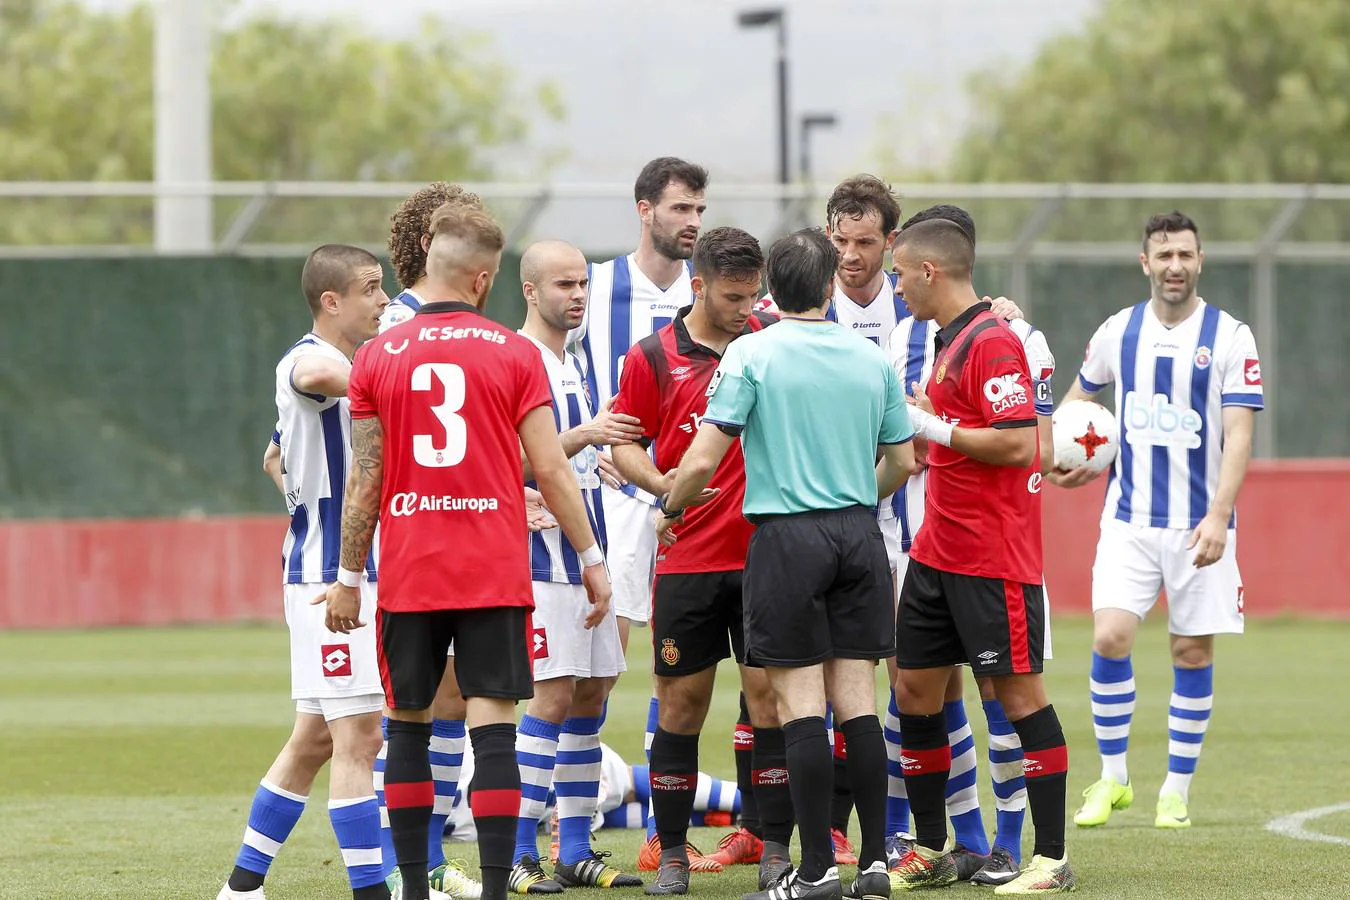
(361, 505)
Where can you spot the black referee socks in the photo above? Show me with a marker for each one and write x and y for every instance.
(810, 766)
(867, 781)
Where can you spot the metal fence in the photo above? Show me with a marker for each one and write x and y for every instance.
(1052, 247)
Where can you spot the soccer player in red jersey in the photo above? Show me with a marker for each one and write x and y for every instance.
(973, 591)
(454, 397)
(696, 606)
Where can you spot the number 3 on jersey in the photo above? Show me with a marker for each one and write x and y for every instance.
(425, 451)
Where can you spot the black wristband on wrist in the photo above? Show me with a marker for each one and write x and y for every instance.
(666, 510)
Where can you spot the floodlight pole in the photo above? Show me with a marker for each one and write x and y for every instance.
(183, 222)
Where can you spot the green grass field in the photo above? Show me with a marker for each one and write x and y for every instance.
(128, 759)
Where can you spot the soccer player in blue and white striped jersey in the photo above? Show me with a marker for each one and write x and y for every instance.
(575, 664)
(1187, 387)
(911, 349)
(631, 297)
(334, 678)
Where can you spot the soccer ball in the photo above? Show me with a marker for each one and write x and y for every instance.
(1085, 435)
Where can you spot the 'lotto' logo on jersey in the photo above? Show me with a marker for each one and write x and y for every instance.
(1160, 421)
(1251, 371)
(1005, 391)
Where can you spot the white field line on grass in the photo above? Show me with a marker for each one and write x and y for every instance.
(1293, 825)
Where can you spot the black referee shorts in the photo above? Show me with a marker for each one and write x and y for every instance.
(945, 619)
(818, 587)
(492, 653)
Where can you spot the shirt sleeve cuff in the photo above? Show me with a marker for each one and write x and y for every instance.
(733, 429)
(904, 440)
(1014, 423)
(1254, 401)
(1089, 386)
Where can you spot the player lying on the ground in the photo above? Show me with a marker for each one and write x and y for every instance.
(625, 797)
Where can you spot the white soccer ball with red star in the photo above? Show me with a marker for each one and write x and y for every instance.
(1085, 435)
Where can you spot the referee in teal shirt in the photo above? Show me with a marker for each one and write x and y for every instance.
(812, 403)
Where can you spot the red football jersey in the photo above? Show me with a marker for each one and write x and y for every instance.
(981, 519)
(450, 389)
(665, 385)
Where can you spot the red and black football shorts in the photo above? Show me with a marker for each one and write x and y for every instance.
(818, 587)
(697, 621)
(946, 619)
(492, 657)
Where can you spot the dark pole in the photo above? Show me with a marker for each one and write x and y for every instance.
(809, 121)
(777, 16)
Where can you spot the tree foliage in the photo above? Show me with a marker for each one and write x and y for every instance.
(291, 99)
(1154, 90)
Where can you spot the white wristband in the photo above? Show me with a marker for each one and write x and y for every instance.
(349, 578)
(592, 556)
(930, 426)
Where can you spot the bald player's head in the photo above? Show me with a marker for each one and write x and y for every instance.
(553, 279)
(464, 252)
(542, 256)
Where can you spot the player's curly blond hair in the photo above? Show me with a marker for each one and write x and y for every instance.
(412, 219)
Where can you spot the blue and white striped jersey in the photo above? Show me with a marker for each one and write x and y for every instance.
(1171, 387)
(552, 556)
(400, 309)
(911, 352)
(876, 320)
(622, 308)
(315, 436)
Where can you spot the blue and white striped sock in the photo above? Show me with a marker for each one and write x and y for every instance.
(1010, 787)
(356, 823)
(536, 752)
(653, 716)
(1112, 682)
(897, 798)
(576, 781)
(386, 836)
(270, 819)
(447, 757)
(714, 794)
(963, 797)
(1187, 719)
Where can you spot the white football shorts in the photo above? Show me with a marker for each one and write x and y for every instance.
(562, 644)
(631, 554)
(1134, 562)
(333, 675)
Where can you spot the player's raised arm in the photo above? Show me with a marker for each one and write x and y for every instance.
(320, 375)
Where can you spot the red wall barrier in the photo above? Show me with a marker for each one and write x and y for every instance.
(87, 573)
(1292, 534)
